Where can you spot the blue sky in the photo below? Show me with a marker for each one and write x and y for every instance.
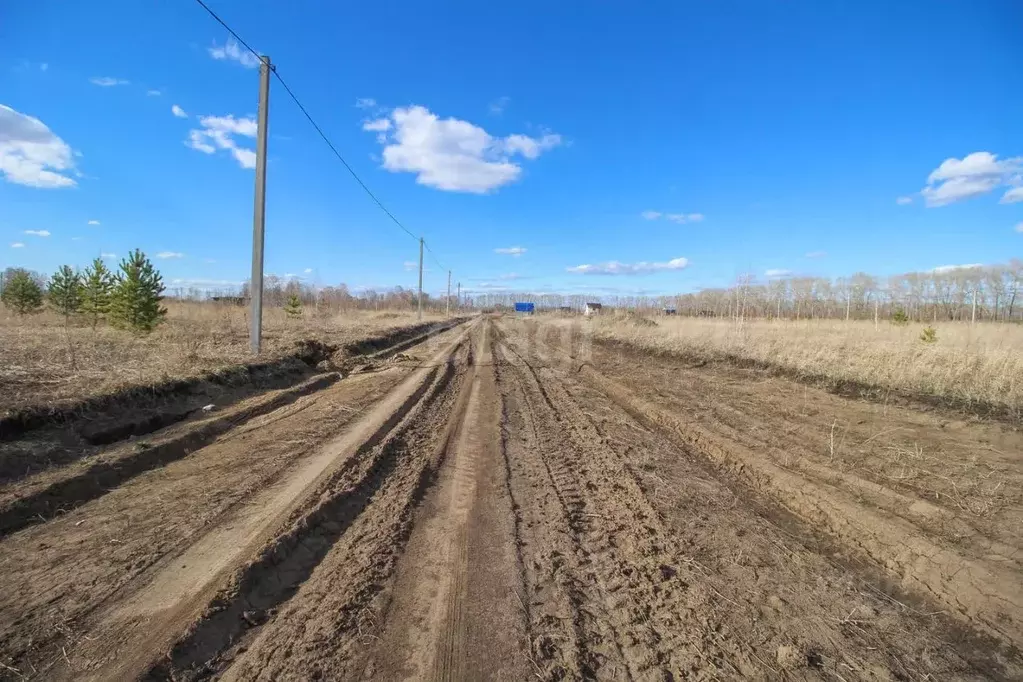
(662, 146)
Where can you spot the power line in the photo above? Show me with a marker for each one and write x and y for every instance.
(311, 121)
(434, 256)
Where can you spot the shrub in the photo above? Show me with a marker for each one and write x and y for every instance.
(135, 301)
(97, 288)
(22, 292)
(293, 307)
(929, 335)
(900, 317)
(65, 291)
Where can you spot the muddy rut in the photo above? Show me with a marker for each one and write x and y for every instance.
(488, 507)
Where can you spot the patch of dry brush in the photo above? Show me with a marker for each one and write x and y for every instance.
(42, 363)
(972, 364)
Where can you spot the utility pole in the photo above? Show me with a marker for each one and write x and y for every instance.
(419, 315)
(447, 301)
(259, 211)
(458, 301)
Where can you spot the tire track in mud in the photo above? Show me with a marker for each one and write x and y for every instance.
(453, 613)
(189, 586)
(984, 595)
(65, 488)
(105, 475)
(323, 631)
(887, 542)
(632, 590)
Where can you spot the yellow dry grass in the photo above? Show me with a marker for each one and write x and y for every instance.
(968, 363)
(44, 363)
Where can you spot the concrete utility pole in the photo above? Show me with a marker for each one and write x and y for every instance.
(259, 211)
(419, 315)
(447, 301)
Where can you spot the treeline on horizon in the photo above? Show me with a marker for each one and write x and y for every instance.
(988, 292)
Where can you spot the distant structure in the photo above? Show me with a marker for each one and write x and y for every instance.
(232, 300)
(592, 309)
(670, 310)
(525, 308)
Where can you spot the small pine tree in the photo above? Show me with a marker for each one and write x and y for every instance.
(22, 292)
(900, 318)
(65, 291)
(929, 335)
(293, 307)
(97, 287)
(135, 301)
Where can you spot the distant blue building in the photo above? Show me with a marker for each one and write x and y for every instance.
(527, 308)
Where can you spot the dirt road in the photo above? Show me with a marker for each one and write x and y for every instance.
(502, 505)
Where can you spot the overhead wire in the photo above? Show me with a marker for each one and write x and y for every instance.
(319, 130)
(434, 256)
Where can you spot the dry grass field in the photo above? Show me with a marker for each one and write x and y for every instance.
(44, 363)
(981, 363)
(486, 506)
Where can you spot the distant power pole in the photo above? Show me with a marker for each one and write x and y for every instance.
(458, 301)
(259, 211)
(447, 301)
(419, 315)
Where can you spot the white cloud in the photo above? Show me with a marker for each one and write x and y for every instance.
(38, 233)
(777, 272)
(77, 239)
(178, 111)
(154, 93)
(231, 125)
(17, 245)
(218, 132)
(454, 155)
(209, 260)
(108, 255)
(365, 103)
(903, 201)
(197, 140)
(307, 270)
(498, 106)
(246, 158)
(515, 251)
(107, 82)
(1013, 196)
(510, 276)
(93, 222)
(30, 154)
(943, 269)
(680, 218)
(973, 175)
(616, 268)
(530, 147)
(816, 254)
(410, 265)
(233, 52)
(1019, 227)
(170, 254)
(380, 125)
